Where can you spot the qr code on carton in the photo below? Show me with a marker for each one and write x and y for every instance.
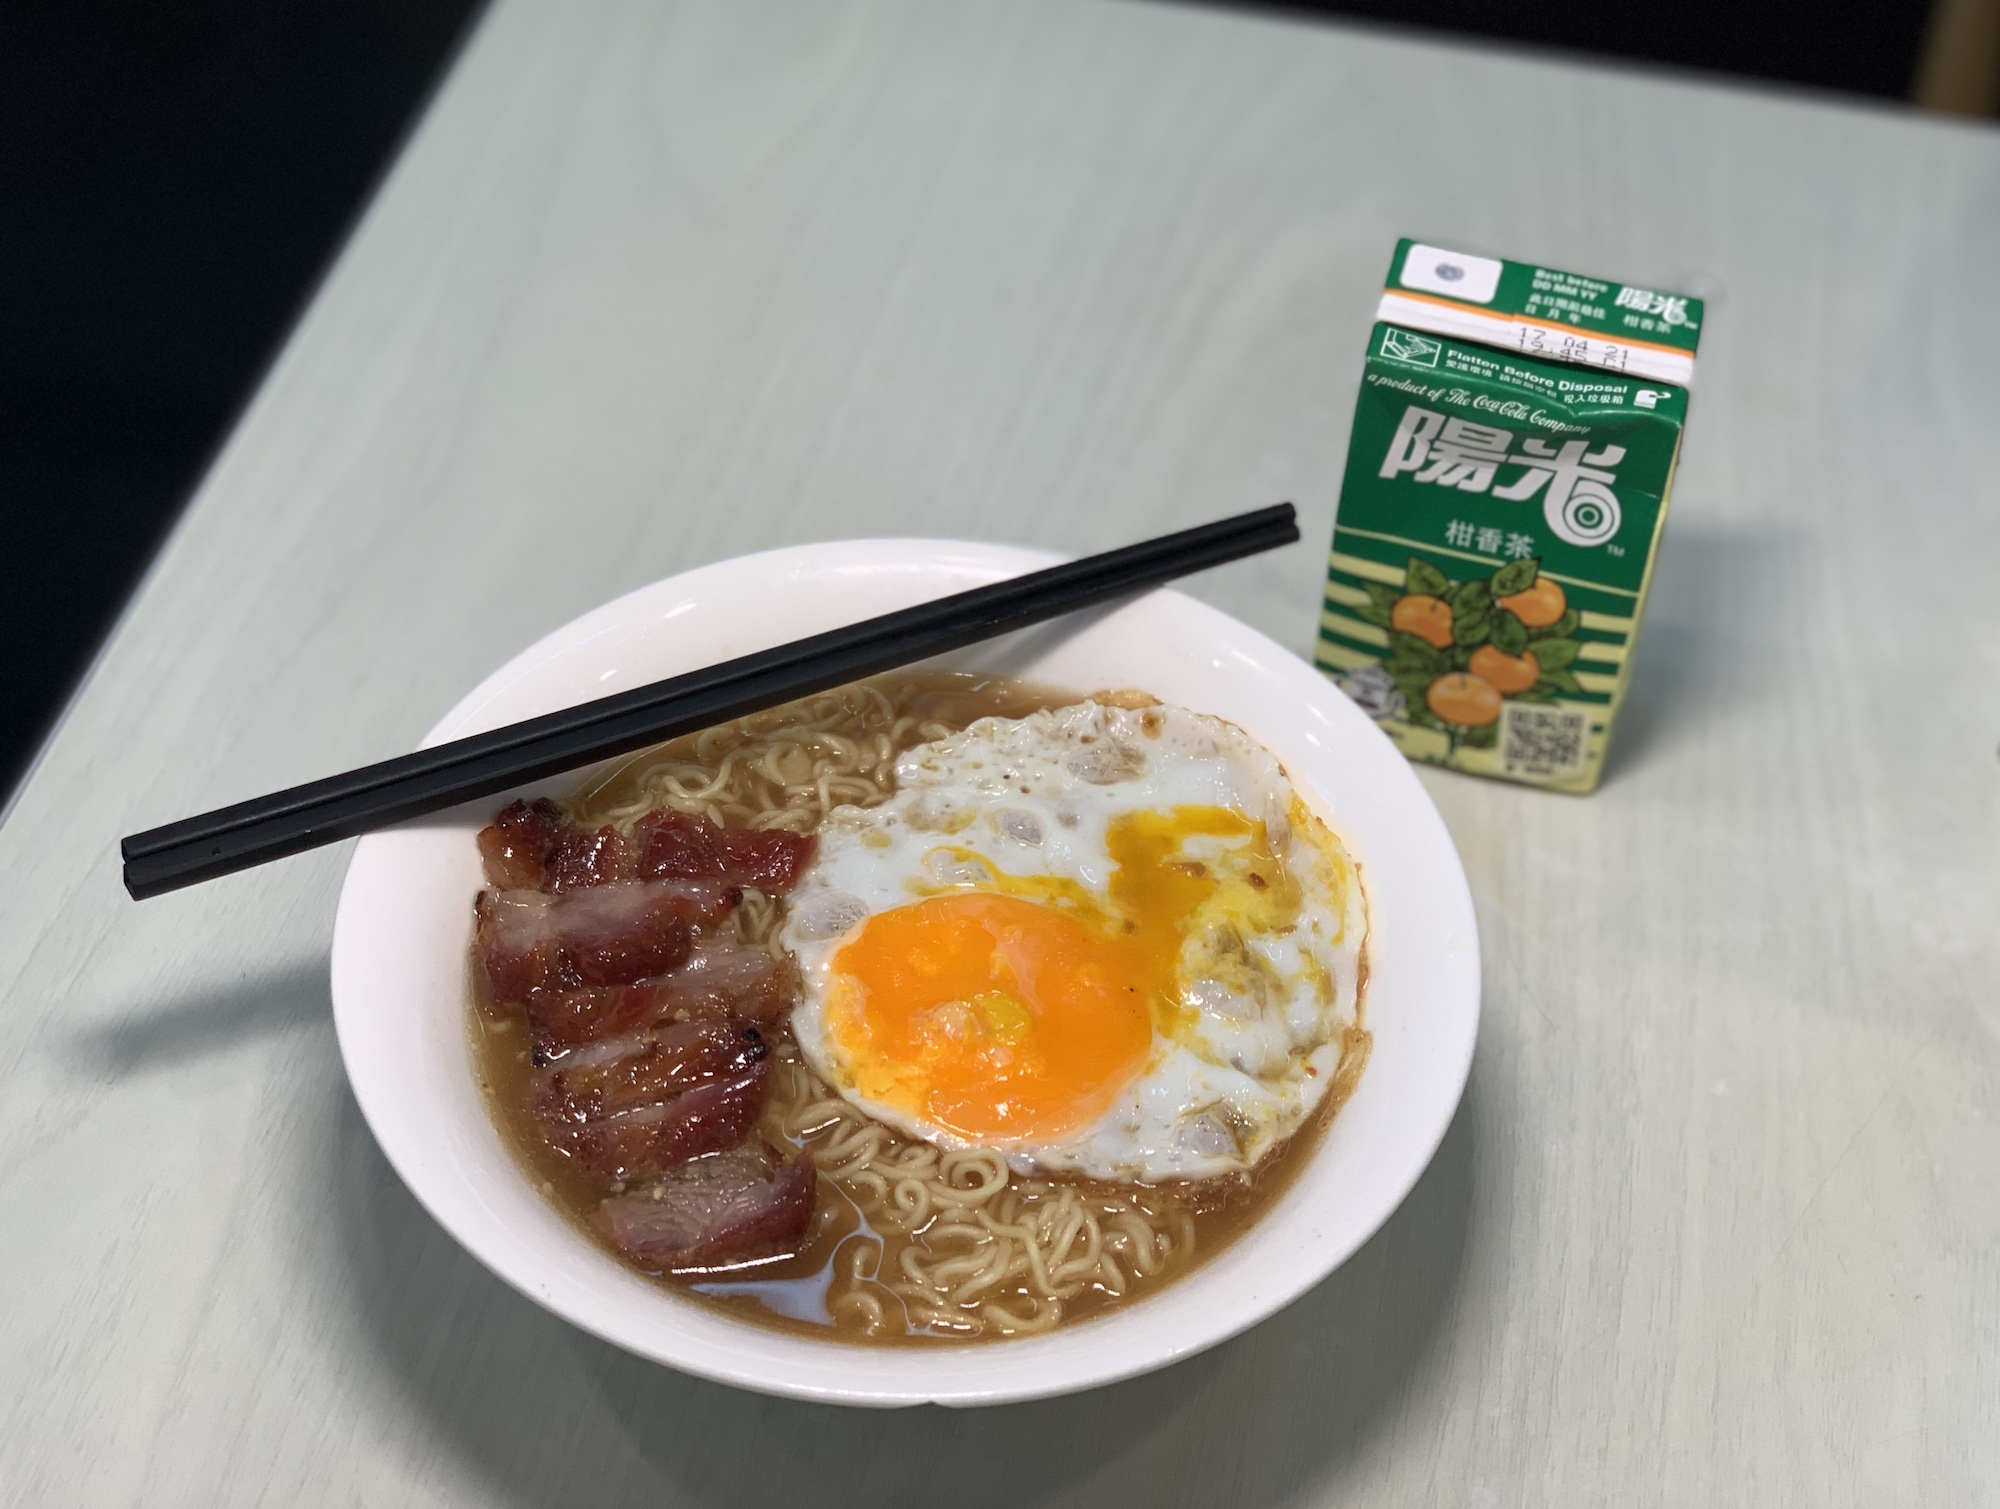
(1539, 740)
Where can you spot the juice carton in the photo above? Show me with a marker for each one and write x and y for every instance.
(1513, 448)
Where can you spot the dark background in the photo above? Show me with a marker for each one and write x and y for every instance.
(1856, 46)
(175, 175)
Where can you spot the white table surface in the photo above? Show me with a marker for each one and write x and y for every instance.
(1719, 1220)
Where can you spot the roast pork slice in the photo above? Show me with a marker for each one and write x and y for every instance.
(603, 935)
(721, 980)
(517, 845)
(647, 1068)
(536, 846)
(654, 1137)
(583, 858)
(732, 1208)
(687, 846)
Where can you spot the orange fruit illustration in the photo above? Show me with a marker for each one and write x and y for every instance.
(1539, 605)
(1506, 673)
(1429, 618)
(1463, 699)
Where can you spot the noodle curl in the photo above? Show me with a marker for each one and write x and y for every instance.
(956, 1241)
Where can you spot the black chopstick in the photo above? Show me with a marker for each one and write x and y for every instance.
(376, 796)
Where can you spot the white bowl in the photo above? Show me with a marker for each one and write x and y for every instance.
(403, 933)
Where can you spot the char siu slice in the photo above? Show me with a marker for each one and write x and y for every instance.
(518, 844)
(731, 1208)
(726, 981)
(563, 1021)
(623, 1074)
(722, 981)
(603, 935)
(687, 846)
(640, 1143)
(536, 847)
(583, 858)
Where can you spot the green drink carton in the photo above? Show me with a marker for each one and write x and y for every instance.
(1513, 449)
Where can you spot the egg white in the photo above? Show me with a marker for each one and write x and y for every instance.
(1035, 796)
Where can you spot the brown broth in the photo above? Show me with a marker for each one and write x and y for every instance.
(790, 1293)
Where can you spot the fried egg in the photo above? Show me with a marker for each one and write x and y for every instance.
(1106, 940)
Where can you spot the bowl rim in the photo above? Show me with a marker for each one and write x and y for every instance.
(909, 569)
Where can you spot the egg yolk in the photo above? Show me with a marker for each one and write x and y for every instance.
(1020, 1006)
(992, 1016)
